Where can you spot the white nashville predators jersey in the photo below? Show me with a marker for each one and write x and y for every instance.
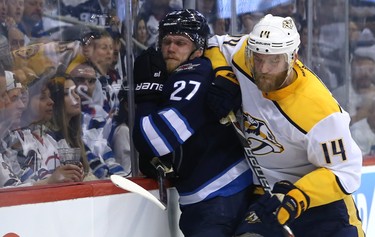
(298, 133)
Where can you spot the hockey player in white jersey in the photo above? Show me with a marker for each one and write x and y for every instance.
(296, 129)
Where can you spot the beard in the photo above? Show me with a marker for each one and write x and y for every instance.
(172, 64)
(269, 82)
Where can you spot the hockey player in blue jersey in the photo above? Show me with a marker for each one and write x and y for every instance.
(213, 178)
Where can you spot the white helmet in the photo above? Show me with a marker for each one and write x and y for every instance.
(274, 35)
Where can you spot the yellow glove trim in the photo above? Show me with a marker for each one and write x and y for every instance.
(283, 216)
(300, 202)
(300, 198)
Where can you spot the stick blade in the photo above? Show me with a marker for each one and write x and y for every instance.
(130, 186)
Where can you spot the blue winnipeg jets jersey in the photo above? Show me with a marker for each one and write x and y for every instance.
(208, 158)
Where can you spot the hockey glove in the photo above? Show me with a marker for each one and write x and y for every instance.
(149, 75)
(264, 210)
(281, 208)
(221, 101)
(294, 203)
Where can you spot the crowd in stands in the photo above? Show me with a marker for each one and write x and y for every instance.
(63, 76)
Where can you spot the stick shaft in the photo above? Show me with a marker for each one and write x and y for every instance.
(251, 159)
(253, 163)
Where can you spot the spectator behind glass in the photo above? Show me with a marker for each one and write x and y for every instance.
(119, 138)
(15, 10)
(363, 132)
(102, 54)
(140, 35)
(363, 80)
(109, 80)
(7, 176)
(154, 11)
(36, 26)
(66, 122)
(16, 38)
(33, 149)
(40, 106)
(362, 87)
(31, 24)
(95, 124)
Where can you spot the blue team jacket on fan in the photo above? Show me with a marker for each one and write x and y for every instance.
(207, 156)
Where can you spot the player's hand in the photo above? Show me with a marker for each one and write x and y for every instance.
(221, 102)
(282, 207)
(294, 203)
(264, 210)
(149, 75)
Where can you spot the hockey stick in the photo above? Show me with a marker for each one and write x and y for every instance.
(253, 162)
(130, 186)
(161, 171)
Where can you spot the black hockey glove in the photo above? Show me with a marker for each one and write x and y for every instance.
(149, 76)
(221, 101)
(285, 205)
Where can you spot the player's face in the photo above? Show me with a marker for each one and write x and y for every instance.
(269, 71)
(176, 49)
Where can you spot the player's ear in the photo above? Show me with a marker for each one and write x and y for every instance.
(197, 53)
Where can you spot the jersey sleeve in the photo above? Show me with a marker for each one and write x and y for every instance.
(332, 148)
(224, 76)
(224, 94)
